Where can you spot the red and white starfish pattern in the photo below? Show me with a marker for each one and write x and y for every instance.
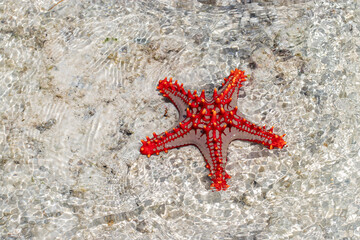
(210, 124)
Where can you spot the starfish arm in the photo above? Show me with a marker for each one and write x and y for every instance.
(181, 135)
(177, 95)
(217, 161)
(241, 129)
(231, 87)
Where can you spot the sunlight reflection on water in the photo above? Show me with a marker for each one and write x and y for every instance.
(78, 92)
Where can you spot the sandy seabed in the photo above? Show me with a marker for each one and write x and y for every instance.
(78, 93)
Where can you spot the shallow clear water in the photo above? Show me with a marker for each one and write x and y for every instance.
(78, 92)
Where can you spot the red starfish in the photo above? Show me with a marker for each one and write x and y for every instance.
(210, 125)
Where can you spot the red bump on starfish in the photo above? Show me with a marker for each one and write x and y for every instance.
(210, 124)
